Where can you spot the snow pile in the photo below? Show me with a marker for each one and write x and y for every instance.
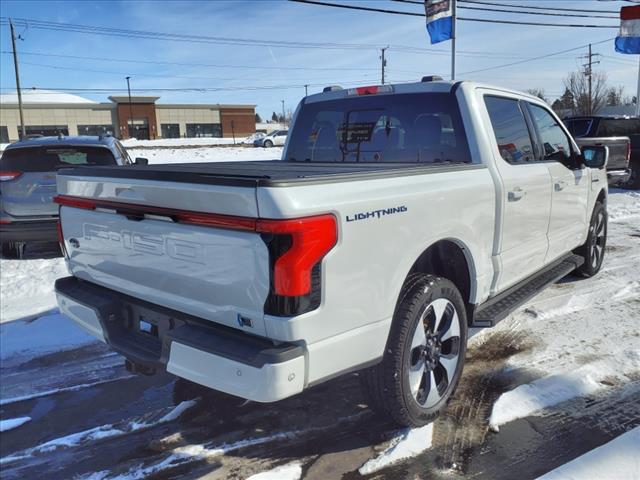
(98, 433)
(12, 423)
(179, 142)
(292, 471)
(615, 460)
(27, 286)
(554, 389)
(409, 443)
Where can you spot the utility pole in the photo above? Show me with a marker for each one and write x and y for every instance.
(638, 92)
(306, 92)
(384, 62)
(23, 132)
(130, 122)
(588, 72)
(284, 119)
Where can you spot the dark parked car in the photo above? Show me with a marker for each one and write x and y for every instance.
(28, 184)
(624, 155)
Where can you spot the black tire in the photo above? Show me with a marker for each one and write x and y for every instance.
(268, 144)
(9, 251)
(399, 386)
(594, 248)
(633, 182)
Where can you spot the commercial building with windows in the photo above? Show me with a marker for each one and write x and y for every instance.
(52, 113)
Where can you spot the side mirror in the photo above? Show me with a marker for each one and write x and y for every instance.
(595, 156)
(141, 161)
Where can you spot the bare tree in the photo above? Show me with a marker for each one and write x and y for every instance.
(578, 84)
(538, 92)
(615, 96)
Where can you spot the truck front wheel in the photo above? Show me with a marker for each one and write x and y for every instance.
(424, 355)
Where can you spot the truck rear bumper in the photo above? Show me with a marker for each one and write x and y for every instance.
(198, 350)
(616, 177)
(29, 231)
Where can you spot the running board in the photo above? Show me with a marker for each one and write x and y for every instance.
(499, 307)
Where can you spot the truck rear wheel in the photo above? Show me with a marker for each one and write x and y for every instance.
(424, 355)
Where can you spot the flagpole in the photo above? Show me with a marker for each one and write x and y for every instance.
(638, 91)
(453, 40)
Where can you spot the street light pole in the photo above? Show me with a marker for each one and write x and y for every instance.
(284, 120)
(23, 132)
(130, 122)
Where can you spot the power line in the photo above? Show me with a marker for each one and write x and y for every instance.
(535, 58)
(480, 2)
(468, 19)
(504, 10)
(186, 64)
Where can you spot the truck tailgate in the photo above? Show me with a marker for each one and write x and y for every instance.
(213, 273)
(618, 150)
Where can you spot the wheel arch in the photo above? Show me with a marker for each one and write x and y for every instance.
(451, 259)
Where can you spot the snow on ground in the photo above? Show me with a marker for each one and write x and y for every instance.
(583, 332)
(10, 424)
(554, 389)
(617, 460)
(292, 471)
(184, 142)
(99, 433)
(410, 443)
(206, 154)
(27, 286)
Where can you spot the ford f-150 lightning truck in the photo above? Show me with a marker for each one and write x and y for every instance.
(399, 217)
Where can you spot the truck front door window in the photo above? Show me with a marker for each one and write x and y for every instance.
(510, 129)
(555, 142)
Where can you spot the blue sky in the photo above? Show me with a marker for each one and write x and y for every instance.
(481, 46)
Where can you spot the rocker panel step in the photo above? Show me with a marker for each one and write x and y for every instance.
(499, 307)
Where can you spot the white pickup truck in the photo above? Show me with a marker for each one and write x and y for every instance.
(399, 217)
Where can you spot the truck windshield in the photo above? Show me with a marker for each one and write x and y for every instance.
(48, 159)
(405, 128)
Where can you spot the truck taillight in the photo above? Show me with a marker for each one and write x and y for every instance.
(311, 239)
(628, 151)
(8, 176)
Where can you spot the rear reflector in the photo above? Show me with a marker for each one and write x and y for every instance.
(311, 237)
(371, 90)
(4, 222)
(7, 176)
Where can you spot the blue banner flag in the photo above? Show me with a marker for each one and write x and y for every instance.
(439, 20)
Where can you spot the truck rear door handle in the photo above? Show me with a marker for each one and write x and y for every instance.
(516, 194)
(560, 185)
(595, 180)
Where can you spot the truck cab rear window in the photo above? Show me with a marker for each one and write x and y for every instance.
(618, 127)
(47, 159)
(401, 128)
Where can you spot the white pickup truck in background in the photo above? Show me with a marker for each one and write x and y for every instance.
(399, 217)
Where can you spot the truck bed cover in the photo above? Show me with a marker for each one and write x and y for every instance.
(271, 173)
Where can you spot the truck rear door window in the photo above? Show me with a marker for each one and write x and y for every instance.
(404, 128)
(48, 159)
(510, 129)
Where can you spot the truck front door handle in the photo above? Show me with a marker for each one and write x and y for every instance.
(560, 185)
(516, 194)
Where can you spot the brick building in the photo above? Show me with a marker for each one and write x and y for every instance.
(50, 113)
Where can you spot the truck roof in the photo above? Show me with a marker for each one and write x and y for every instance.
(437, 86)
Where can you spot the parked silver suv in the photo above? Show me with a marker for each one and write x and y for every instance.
(28, 183)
